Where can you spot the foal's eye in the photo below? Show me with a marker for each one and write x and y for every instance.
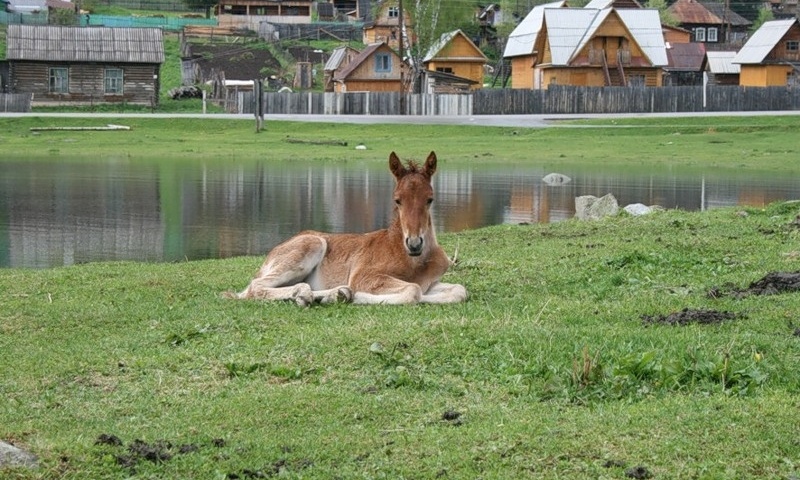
(430, 201)
(397, 201)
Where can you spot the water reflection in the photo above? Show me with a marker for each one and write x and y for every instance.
(60, 213)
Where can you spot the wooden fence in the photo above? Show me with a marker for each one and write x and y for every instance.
(554, 100)
(15, 102)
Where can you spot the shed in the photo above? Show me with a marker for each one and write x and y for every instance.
(455, 54)
(85, 65)
(721, 69)
(771, 57)
(339, 59)
(687, 62)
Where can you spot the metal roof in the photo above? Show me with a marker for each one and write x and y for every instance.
(84, 44)
(570, 29)
(721, 62)
(695, 12)
(763, 41)
(522, 38)
(686, 57)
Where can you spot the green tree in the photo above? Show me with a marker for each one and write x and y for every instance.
(667, 18)
(201, 4)
(764, 15)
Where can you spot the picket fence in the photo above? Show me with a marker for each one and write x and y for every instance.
(554, 100)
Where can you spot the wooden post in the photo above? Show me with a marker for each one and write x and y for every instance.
(258, 103)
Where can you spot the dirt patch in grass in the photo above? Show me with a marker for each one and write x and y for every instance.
(689, 316)
(772, 283)
(138, 450)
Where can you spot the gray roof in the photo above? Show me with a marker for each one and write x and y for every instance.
(763, 41)
(84, 44)
(522, 38)
(720, 62)
(570, 29)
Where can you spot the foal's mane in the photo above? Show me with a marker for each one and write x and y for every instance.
(412, 166)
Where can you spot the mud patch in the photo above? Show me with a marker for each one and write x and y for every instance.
(138, 450)
(773, 283)
(689, 316)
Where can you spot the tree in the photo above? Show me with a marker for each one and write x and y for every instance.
(432, 18)
(764, 15)
(667, 18)
(201, 4)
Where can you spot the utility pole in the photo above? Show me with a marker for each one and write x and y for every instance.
(402, 60)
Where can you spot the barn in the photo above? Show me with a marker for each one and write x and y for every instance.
(84, 65)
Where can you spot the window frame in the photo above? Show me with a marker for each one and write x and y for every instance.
(712, 34)
(113, 85)
(383, 63)
(58, 80)
(792, 45)
(700, 34)
(393, 12)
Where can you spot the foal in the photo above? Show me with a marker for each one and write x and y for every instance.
(401, 264)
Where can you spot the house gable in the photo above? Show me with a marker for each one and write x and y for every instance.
(376, 68)
(523, 38)
(456, 54)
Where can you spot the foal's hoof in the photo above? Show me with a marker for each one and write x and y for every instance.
(344, 295)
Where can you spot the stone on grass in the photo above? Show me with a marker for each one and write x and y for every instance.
(11, 456)
(589, 207)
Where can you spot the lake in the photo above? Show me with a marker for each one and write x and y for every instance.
(55, 213)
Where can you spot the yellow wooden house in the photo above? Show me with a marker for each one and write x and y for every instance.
(771, 57)
(520, 47)
(376, 69)
(608, 47)
(455, 54)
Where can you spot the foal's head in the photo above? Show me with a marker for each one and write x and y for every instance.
(413, 196)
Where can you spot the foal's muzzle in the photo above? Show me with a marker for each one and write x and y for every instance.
(414, 246)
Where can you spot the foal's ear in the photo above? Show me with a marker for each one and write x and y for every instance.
(430, 165)
(396, 166)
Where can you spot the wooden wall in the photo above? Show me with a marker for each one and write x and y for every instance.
(86, 83)
(764, 75)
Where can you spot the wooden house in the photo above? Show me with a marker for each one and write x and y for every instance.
(771, 57)
(520, 46)
(339, 59)
(675, 34)
(686, 64)
(720, 68)
(384, 25)
(710, 22)
(85, 65)
(608, 47)
(249, 14)
(376, 69)
(455, 54)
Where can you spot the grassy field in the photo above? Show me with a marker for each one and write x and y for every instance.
(622, 348)
(757, 143)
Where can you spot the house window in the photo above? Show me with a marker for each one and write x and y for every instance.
(792, 45)
(711, 34)
(444, 69)
(383, 63)
(113, 81)
(59, 80)
(700, 34)
(394, 12)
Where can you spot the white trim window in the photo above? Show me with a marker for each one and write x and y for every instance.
(394, 12)
(711, 34)
(700, 34)
(113, 81)
(59, 80)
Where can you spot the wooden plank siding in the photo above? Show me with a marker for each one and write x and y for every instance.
(86, 83)
(86, 53)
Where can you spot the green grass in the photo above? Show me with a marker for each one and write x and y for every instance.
(736, 143)
(548, 371)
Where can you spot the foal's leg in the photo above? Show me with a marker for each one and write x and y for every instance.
(444, 293)
(386, 290)
(282, 275)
